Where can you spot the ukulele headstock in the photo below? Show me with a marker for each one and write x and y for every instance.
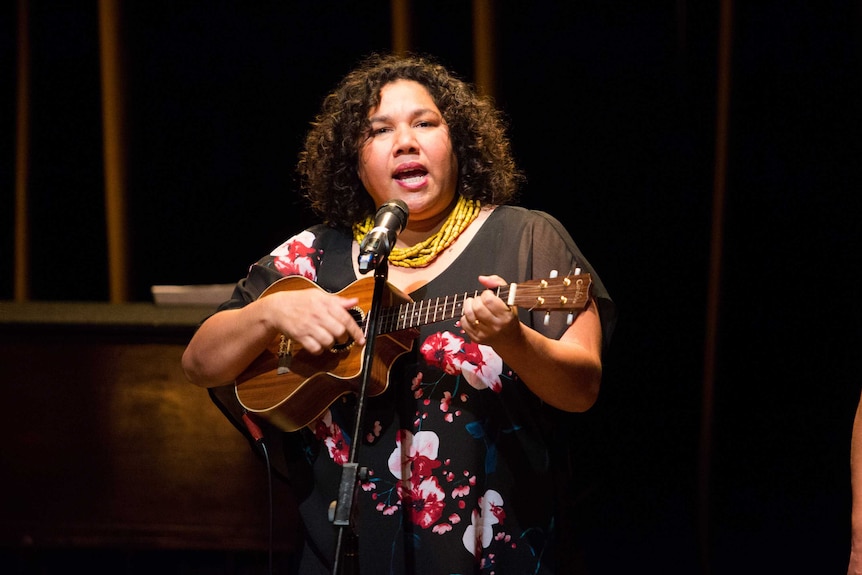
(568, 293)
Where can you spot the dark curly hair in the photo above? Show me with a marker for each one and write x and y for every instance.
(328, 162)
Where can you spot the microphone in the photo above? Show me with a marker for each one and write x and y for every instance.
(390, 219)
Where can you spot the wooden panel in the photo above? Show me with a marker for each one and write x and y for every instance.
(105, 444)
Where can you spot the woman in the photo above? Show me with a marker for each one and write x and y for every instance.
(462, 443)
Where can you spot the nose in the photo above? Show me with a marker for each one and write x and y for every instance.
(405, 141)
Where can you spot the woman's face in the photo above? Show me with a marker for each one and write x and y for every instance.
(408, 155)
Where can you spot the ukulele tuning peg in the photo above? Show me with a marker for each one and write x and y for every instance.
(570, 318)
(547, 319)
(553, 274)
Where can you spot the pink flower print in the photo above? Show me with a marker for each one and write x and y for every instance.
(321, 430)
(416, 386)
(461, 491)
(337, 446)
(424, 502)
(372, 435)
(483, 368)
(498, 512)
(473, 538)
(333, 437)
(443, 350)
(423, 466)
(293, 257)
(414, 454)
(472, 352)
(416, 381)
(444, 403)
(479, 534)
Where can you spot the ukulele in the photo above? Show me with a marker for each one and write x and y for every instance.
(290, 387)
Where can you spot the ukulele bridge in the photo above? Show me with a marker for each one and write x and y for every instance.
(284, 356)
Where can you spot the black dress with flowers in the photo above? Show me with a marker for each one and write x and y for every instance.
(462, 458)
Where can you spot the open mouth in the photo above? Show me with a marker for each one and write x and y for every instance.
(413, 176)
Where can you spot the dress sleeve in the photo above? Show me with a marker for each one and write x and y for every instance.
(551, 247)
(299, 255)
(250, 287)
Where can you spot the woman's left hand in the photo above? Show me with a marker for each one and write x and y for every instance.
(487, 318)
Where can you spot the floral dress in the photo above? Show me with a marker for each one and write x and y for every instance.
(462, 459)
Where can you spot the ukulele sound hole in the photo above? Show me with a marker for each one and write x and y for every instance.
(359, 317)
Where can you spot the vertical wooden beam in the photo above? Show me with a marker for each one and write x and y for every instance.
(484, 49)
(114, 149)
(22, 158)
(401, 28)
(713, 291)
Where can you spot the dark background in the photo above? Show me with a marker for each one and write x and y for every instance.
(613, 112)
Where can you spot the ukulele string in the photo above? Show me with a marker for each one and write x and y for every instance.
(415, 314)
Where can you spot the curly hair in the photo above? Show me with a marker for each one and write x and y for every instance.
(328, 163)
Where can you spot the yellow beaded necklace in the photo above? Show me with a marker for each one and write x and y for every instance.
(425, 252)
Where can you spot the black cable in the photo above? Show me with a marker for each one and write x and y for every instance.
(271, 502)
(258, 436)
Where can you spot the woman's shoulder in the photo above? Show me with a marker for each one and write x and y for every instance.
(510, 216)
(317, 235)
(522, 213)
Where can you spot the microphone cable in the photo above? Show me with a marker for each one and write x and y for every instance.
(257, 435)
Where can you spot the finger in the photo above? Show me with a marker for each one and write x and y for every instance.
(345, 328)
(310, 344)
(341, 327)
(492, 281)
(487, 305)
(325, 337)
(352, 332)
(353, 329)
(468, 314)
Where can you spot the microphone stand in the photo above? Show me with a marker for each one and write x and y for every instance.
(344, 517)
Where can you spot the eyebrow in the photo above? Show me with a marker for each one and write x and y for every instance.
(416, 113)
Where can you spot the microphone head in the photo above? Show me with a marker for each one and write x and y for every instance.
(396, 208)
(375, 247)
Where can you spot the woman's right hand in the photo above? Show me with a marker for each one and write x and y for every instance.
(313, 318)
(228, 341)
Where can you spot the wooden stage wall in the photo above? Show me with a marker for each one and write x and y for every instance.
(105, 445)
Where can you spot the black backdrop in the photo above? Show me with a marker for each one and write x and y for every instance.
(613, 112)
